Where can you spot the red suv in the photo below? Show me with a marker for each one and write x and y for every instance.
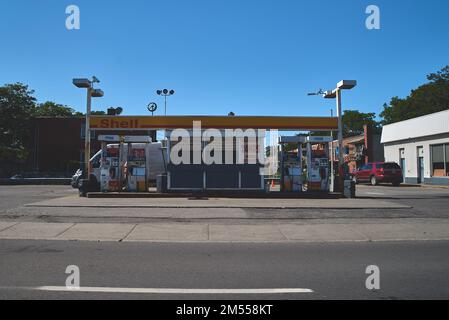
(378, 172)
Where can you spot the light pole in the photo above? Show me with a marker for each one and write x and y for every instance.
(91, 93)
(166, 93)
(332, 184)
(336, 94)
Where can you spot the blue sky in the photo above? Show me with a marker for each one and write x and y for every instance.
(247, 56)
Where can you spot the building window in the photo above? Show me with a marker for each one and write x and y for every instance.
(439, 164)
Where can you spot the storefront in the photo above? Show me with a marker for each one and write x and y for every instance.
(421, 147)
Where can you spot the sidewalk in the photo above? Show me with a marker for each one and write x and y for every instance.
(428, 186)
(393, 230)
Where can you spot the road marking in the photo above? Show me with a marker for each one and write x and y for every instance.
(173, 291)
(375, 193)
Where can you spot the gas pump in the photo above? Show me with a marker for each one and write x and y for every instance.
(124, 159)
(318, 171)
(110, 168)
(292, 164)
(137, 167)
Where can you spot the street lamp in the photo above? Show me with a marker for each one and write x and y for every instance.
(91, 93)
(336, 94)
(166, 93)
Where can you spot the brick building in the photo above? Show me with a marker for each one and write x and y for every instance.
(57, 144)
(362, 149)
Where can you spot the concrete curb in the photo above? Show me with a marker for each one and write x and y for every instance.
(430, 186)
(199, 196)
(224, 207)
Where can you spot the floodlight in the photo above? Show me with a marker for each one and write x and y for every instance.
(97, 93)
(346, 84)
(82, 83)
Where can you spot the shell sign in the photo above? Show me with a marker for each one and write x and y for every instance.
(211, 122)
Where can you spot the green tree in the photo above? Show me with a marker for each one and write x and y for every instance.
(354, 122)
(17, 105)
(51, 109)
(55, 110)
(98, 113)
(429, 98)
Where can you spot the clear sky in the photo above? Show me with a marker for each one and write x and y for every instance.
(253, 57)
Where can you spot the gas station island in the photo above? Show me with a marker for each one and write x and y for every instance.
(212, 154)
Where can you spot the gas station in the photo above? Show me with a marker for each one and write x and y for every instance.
(134, 163)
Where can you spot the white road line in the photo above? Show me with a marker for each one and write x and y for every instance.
(375, 193)
(173, 291)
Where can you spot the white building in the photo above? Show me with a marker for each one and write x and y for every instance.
(421, 147)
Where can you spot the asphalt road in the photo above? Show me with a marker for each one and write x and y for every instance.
(15, 196)
(425, 203)
(409, 270)
(413, 270)
(430, 201)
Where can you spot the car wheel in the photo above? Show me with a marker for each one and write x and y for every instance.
(396, 184)
(374, 181)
